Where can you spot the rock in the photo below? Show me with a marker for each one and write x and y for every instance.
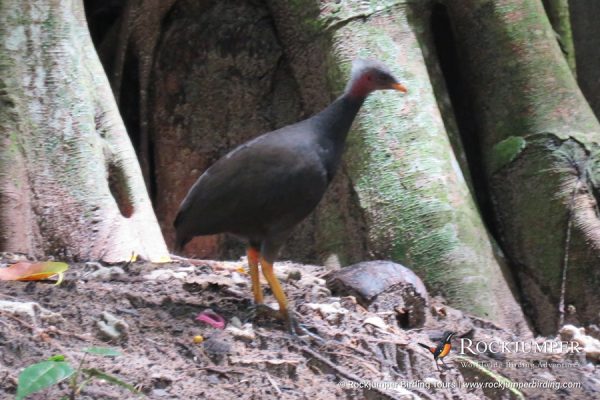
(31, 309)
(330, 312)
(111, 327)
(160, 393)
(381, 286)
(246, 332)
(217, 347)
(165, 274)
(377, 322)
(589, 345)
(105, 273)
(327, 308)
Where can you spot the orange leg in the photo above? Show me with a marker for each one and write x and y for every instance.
(253, 256)
(267, 269)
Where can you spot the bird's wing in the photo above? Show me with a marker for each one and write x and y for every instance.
(268, 179)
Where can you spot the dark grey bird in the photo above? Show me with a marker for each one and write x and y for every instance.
(263, 188)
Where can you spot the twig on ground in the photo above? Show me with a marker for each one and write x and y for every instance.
(272, 382)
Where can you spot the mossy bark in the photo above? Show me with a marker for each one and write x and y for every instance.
(416, 204)
(560, 19)
(539, 140)
(70, 184)
(586, 38)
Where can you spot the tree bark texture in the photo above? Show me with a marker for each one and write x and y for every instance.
(560, 20)
(539, 140)
(586, 38)
(70, 183)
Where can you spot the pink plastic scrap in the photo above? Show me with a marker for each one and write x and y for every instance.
(211, 318)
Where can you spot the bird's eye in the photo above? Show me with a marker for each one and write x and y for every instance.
(369, 78)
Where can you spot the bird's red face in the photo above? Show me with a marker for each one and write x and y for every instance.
(372, 79)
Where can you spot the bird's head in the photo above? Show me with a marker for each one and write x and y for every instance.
(370, 75)
(448, 335)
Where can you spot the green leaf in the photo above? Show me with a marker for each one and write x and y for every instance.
(103, 351)
(42, 375)
(58, 357)
(110, 378)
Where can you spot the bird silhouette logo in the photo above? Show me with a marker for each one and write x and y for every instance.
(441, 350)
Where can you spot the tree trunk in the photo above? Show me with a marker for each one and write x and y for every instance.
(560, 19)
(586, 38)
(409, 187)
(539, 141)
(70, 184)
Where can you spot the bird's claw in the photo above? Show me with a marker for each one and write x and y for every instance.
(292, 326)
(298, 330)
(262, 310)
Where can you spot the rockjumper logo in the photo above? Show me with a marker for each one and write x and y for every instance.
(467, 346)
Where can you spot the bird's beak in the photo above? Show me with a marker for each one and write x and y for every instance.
(399, 87)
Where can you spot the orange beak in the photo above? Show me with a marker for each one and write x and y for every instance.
(399, 87)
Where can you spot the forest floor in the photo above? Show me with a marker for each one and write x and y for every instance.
(148, 313)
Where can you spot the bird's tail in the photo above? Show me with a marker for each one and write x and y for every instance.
(180, 238)
(180, 241)
(424, 346)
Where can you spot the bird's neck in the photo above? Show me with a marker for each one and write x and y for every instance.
(335, 121)
(332, 126)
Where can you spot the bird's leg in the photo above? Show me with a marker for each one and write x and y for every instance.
(445, 365)
(267, 269)
(253, 256)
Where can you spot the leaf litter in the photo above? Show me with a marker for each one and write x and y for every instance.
(253, 357)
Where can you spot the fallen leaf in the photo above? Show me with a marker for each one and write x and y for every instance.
(26, 271)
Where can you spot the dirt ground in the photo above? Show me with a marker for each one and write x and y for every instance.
(148, 313)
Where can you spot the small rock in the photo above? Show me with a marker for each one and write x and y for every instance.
(217, 345)
(235, 322)
(238, 279)
(111, 327)
(31, 309)
(590, 345)
(384, 286)
(160, 393)
(217, 348)
(165, 274)
(246, 332)
(377, 322)
(294, 275)
(330, 312)
(284, 270)
(106, 273)
(326, 309)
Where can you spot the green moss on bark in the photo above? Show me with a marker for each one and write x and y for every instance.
(506, 151)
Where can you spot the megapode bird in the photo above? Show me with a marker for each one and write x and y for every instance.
(263, 188)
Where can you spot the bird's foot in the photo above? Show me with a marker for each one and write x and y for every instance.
(292, 326)
(298, 330)
(261, 310)
(446, 367)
